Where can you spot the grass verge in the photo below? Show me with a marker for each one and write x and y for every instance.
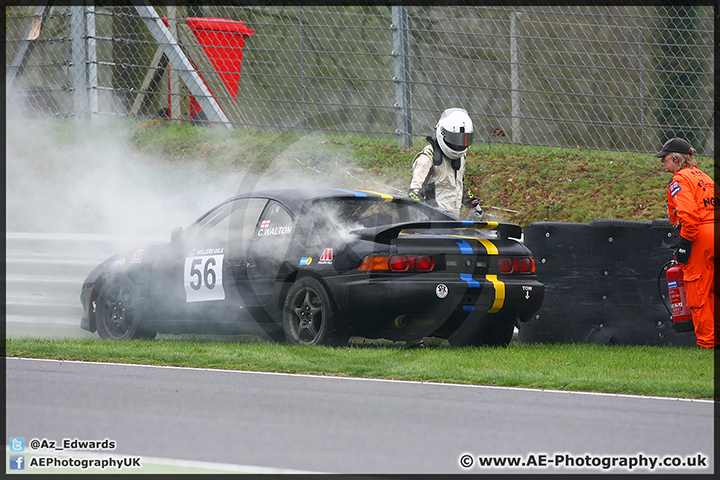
(654, 371)
(519, 184)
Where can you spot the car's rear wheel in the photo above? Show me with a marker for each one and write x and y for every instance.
(491, 331)
(310, 316)
(118, 315)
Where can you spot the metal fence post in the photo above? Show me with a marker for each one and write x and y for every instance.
(302, 68)
(84, 61)
(641, 70)
(91, 68)
(403, 92)
(174, 99)
(515, 98)
(78, 33)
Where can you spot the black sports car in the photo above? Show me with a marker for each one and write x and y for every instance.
(317, 267)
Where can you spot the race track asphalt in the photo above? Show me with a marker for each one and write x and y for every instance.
(275, 422)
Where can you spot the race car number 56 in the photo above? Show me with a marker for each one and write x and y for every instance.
(203, 278)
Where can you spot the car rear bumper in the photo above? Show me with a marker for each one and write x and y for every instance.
(430, 304)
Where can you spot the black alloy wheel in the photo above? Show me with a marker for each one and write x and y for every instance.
(310, 316)
(118, 315)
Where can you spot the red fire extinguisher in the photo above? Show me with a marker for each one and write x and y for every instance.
(682, 318)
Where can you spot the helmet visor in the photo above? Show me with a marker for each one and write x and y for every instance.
(458, 140)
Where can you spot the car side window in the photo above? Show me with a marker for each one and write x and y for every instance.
(211, 230)
(386, 213)
(378, 214)
(271, 237)
(412, 213)
(321, 226)
(243, 224)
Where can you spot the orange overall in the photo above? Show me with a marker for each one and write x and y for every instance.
(693, 198)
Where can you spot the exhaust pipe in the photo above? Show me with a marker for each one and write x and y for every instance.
(402, 321)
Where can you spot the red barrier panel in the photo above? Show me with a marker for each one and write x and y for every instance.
(223, 41)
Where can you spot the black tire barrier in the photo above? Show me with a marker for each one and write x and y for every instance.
(604, 283)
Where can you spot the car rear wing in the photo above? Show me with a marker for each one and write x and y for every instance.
(387, 233)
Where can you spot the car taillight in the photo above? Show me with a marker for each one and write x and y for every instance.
(397, 263)
(522, 265)
(424, 263)
(505, 265)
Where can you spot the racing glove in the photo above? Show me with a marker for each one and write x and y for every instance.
(413, 194)
(478, 213)
(682, 253)
(473, 204)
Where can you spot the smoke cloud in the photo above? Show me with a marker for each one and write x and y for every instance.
(91, 181)
(77, 177)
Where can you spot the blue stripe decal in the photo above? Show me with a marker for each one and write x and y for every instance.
(351, 192)
(468, 278)
(468, 308)
(464, 246)
(468, 223)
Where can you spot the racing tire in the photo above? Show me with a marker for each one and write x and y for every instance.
(490, 331)
(310, 316)
(118, 315)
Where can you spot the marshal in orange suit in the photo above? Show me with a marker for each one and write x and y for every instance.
(692, 200)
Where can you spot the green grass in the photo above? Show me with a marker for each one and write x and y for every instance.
(656, 371)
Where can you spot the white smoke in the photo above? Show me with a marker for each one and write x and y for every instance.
(89, 180)
(64, 176)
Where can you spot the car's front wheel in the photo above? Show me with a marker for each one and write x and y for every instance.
(310, 316)
(118, 315)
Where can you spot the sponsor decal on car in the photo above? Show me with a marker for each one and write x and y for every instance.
(206, 251)
(266, 230)
(327, 257)
(137, 256)
(441, 290)
(305, 260)
(119, 261)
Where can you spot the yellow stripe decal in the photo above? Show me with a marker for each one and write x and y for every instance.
(387, 198)
(489, 246)
(499, 294)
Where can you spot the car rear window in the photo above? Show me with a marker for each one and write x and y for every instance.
(355, 213)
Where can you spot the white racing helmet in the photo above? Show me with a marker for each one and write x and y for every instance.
(454, 132)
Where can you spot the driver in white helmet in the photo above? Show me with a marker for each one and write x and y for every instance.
(439, 169)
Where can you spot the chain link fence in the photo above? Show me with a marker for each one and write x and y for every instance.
(618, 78)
